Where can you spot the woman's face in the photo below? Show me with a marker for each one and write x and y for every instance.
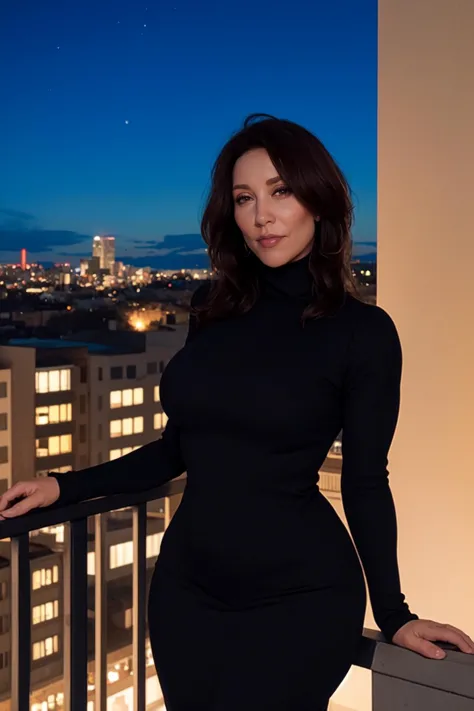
(275, 226)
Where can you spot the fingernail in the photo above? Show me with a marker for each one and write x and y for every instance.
(440, 653)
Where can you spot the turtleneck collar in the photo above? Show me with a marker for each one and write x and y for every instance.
(292, 279)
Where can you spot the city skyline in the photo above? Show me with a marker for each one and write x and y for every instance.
(116, 113)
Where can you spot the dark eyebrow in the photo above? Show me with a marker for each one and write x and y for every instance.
(271, 181)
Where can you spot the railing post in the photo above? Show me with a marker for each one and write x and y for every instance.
(75, 616)
(139, 606)
(100, 521)
(20, 622)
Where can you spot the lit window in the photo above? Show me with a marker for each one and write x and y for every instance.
(153, 543)
(91, 563)
(46, 647)
(51, 381)
(126, 398)
(121, 554)
(44, 577)
(157, 421)
(115, 399)
(156, 393)
(127, 426)
(44, 612)
(164, 418)
(52, 446)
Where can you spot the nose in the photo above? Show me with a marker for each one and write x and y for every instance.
(263, 213)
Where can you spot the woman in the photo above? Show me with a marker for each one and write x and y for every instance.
(258, 596)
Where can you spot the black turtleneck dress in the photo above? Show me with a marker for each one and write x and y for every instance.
(258, 597)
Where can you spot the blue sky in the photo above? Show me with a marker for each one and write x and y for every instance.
(114, 110)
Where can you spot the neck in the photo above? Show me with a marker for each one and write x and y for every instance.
(292, 279)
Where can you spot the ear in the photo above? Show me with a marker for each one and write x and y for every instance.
(317, 218)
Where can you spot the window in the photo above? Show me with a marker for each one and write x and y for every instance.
(4, 660)
(116, 453)
(52, 414)
(153, 544)
(131, 371)
(52, 381)
(126, 398)
(164, 419)
(3, 590)
(52, 446)
(58, 470)
(3, 390)
(121, 554)
(44, 577)
(157, 421)
(44, 612)
(162, 365)
(100, 374)
(83, 374)
(91, 563)
(82, 404)
(156, 393)
(4, 624)
(127, 426)
(46, 647)
(82, 434)
(100, 400)
(3, 455)
(3, 421)
(116, 372)
(152, 368)
(99, 432)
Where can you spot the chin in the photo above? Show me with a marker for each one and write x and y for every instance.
(276, 258)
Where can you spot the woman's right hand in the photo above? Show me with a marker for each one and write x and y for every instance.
(34, 494)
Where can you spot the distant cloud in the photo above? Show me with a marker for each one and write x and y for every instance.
(16, 214)
(16, 232)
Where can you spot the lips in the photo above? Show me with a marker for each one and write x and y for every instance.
(269, 241)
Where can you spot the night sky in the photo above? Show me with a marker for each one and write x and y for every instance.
(113, 111)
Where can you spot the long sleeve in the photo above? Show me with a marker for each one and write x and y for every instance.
(371, 408)
(151, 465)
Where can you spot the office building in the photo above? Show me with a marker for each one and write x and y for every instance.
(5, 429)
(104, 249)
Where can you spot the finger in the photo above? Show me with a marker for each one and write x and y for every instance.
(468, 641)
(426, 648)
(13, 493)
(23, 506)
(444, 633)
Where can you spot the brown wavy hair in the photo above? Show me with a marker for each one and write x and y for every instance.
(316, 181)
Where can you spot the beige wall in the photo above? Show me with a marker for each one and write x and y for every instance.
(425, 278)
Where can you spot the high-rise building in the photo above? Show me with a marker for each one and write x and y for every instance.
(23, 259)
(104, 249)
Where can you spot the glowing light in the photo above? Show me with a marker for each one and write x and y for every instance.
(139, 325)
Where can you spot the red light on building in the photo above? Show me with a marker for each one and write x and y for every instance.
(23, 259)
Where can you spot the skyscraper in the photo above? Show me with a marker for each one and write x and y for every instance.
(23, 259)
(104, 249)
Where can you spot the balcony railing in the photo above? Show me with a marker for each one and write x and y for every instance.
(400, 679)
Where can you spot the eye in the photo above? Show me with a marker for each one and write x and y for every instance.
(283, 190)
(241, 199)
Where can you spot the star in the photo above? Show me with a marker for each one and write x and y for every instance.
(127, 122)
(144, 25)
(57, 47)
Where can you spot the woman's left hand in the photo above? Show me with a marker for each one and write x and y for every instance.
(419, 635)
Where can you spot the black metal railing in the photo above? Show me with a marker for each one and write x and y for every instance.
(400, 679)
(75, 648)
